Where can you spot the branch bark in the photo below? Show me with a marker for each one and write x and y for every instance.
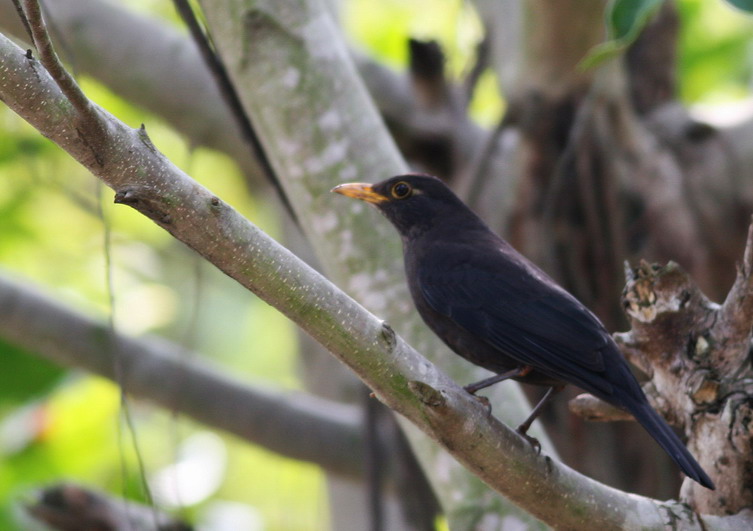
(398, 374)
(167, 77)
(165, 74)
(67, 506)
(145, 180)
(697, 355)
(329, 433)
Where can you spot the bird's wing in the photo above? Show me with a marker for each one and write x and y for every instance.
(515, 307)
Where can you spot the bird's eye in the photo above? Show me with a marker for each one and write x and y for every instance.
(401, 190)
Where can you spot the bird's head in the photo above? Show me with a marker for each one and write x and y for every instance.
(413, 203)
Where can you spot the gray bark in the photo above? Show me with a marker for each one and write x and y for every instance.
(398, 375)
(431, 409)
(165, 74)
(329, 132)
(329, 433)
(125, 160)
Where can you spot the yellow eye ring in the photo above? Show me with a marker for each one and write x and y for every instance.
(401, 190)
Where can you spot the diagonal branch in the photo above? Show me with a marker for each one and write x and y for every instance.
(49, 59)
(167, 77)
(399, 376)
(328, 433)
(165, 74)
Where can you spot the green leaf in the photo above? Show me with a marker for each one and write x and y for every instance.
(24, 376)
(625, 19)
(745, 5)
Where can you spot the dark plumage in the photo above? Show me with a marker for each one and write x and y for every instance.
(498, 310)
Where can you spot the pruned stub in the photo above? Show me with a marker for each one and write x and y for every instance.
(682, 336)
(665, 309)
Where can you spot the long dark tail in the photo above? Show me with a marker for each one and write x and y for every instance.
(660, 430)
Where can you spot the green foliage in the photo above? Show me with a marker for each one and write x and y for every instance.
(24, 377)
(65, 425)
(68, 434)
(624, 19)
(714, 52)
(745, 5)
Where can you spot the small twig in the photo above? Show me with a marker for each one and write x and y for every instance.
(233, 101)
(50, 60)
(592, 408)
(24, 20)
(375, 460)
(118, 368)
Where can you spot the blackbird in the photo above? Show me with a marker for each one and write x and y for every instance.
(497, 309)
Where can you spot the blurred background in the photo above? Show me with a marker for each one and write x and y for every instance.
(61, 234)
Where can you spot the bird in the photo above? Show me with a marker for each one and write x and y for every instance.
(497, 309)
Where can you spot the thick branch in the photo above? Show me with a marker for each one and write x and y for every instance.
(505, 394)
(328, 433)
(697, 355)
(398, 374)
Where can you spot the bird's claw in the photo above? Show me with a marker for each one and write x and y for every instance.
(484, 402)
(533, 441)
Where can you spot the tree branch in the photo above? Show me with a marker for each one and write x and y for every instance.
(398, 375)
(736, 314)
(698, 355)
(146, 180)
(49, 59)
(167, 77)
(67, 506)
(328, 433)
(165, 74)
(594, 409)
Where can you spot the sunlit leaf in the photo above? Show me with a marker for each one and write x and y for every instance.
(745, 5)
(625, 19)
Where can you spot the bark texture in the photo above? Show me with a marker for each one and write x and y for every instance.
(397, 374)
(161, 372)
(286, 51)
(698, 355)
(292, 52)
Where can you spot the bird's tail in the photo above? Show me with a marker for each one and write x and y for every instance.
(667, 439)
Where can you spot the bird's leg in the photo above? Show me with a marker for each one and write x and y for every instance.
(475, 387)
(514, 373)
(523, 428)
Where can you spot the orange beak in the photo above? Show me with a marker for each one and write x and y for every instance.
(362, 191)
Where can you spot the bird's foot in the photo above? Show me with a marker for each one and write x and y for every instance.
(533, 441)
(484, 402)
